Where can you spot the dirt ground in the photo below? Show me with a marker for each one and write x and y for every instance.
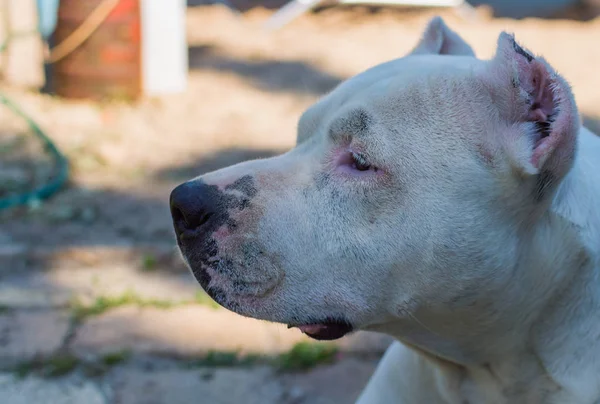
(247, 88)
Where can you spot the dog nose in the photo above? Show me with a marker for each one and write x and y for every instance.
(192, 205)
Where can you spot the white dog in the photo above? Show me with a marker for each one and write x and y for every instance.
(451, 202)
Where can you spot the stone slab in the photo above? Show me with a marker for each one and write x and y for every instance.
(221, 386)
(35, 390)
(28, 334)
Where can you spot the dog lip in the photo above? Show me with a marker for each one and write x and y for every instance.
(325, 331)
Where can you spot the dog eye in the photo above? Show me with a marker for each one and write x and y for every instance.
(359, 162)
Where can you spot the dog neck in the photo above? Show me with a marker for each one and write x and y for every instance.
(578, 197)
(552, 345)
(558, 351)
(566, 338)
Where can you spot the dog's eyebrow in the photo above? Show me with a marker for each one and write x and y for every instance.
(356, 122)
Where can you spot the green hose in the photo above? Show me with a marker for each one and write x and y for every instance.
(61, 161)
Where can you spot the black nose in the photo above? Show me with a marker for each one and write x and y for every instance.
(192, 205)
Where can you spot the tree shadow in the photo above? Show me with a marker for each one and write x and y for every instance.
(110, 221)
(223, 158)
(269, 75)
(93, 240)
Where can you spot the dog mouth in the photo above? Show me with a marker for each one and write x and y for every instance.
(325, 331)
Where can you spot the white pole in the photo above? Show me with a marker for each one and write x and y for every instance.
(164, 46)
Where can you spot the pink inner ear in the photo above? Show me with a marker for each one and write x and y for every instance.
(542, 106)
(540, 96)
(536, 81)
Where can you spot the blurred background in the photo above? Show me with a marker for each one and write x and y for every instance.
(106, 105)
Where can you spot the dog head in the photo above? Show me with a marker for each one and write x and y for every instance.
(404, 205)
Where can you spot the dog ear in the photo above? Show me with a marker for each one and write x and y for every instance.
(538, 108)
(438, 39)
